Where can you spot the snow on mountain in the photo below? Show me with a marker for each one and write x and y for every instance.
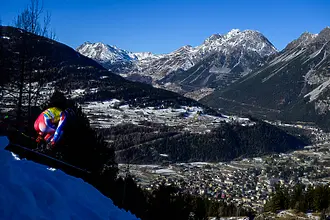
(33, 191)
(251, 40)
(297, 79)
(183, 58)
(146, 56)
(220, 60)
(247, 40)
(304, 39)
(114, 59)
(105, 53)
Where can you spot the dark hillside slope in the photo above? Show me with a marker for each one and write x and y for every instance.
(224, 143)
(48, 61)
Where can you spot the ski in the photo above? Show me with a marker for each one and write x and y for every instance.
(42, 158)
(47, 160)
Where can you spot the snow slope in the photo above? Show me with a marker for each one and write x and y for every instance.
(31, 191)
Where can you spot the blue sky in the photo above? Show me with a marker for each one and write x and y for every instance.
(161, 26)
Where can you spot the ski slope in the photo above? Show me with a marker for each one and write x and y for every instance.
(31, 191)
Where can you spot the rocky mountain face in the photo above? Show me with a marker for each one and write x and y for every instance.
(216, 63)
(292, 86)
(223, 59)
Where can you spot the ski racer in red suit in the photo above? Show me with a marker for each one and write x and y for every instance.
(49, 125)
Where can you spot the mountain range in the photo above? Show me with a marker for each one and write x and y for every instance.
(292, 86)
(240, 72)
(216, 63)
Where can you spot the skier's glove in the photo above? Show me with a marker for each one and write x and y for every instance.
(39, 139)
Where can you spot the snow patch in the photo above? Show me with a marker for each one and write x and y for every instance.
(232, 33)
(217, 70)
(191, 118)
(314, 94)
(77, 93)
(323, 59)
(142, 56)
(312, 216)
(15, 156)
(316, 53)
(292, 55)
(165, 171)
(199, 164)
(51, 169)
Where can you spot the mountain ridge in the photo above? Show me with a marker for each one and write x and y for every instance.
(295, 83)
(237, 52)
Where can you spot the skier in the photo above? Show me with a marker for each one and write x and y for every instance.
(50, 124)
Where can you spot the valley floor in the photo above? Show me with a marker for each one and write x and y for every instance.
(247, 182)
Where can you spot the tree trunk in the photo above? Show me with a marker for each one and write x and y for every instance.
(21, 82)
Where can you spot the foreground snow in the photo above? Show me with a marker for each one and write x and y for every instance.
(31, 191)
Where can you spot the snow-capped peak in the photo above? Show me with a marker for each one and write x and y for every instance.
(232, 33)
(236, 49)
(247, 40)
(304, 39)
(105, 53)
(237, 39)
(146, 56)
(212, 38)
(184, 49)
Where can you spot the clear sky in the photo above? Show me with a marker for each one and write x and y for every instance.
(161, 26)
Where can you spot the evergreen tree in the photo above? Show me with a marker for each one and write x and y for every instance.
(301, 199)
(279, 200)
